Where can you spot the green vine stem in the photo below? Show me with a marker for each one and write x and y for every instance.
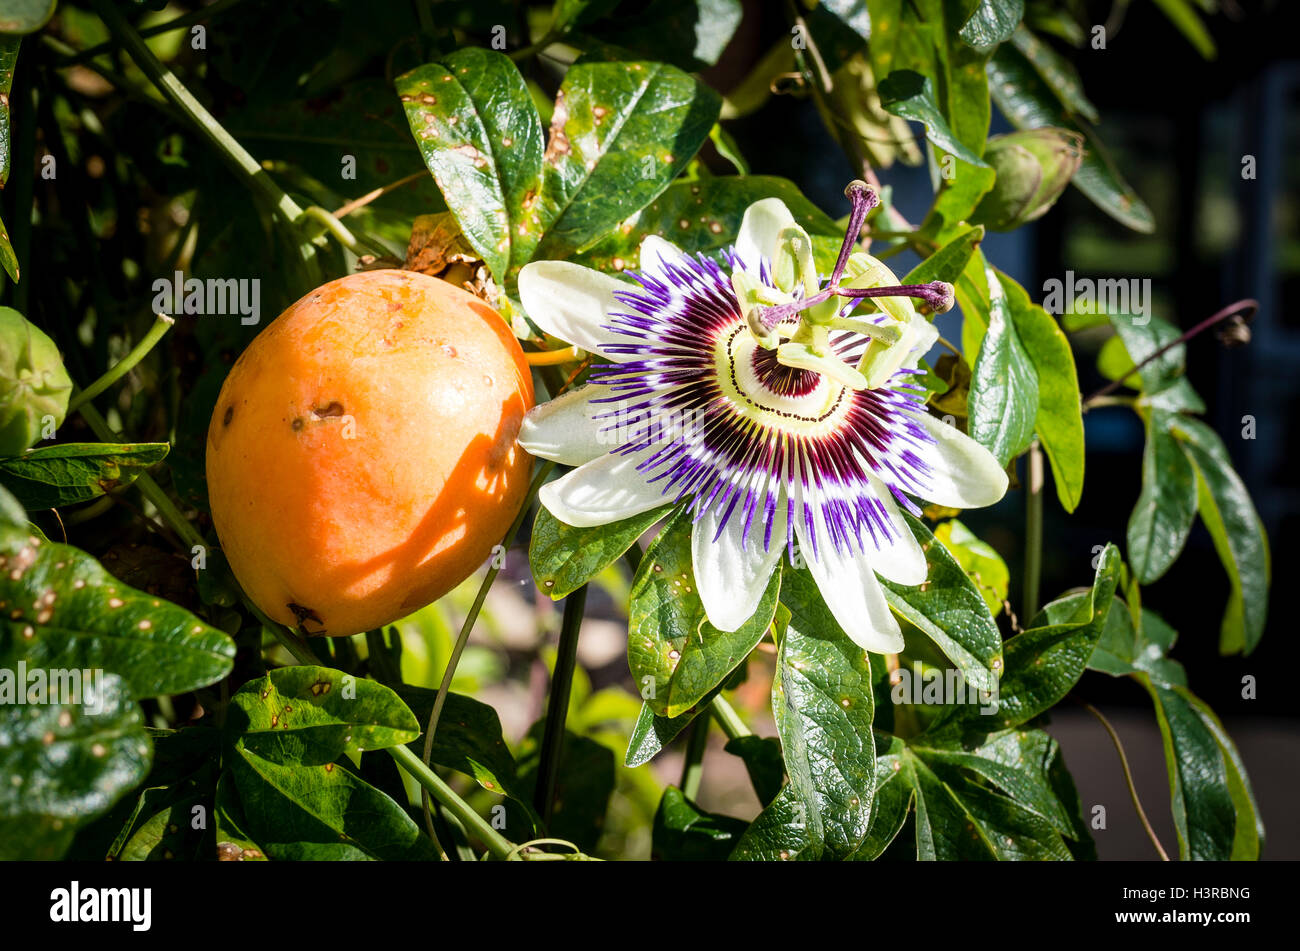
(539, 478)
(728, 718)
(160, 326)
(170, 86)
(1033, 531)
(1128, 778)
(557, 706)
(202, 16)
(435, 786)
(696, 745)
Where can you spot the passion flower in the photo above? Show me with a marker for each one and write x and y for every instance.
(781, 409)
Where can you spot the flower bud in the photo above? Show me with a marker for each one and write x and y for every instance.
(1033, 168)
(33, 382)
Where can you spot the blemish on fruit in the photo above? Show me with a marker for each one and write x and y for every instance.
(228, 416)
(332, 409)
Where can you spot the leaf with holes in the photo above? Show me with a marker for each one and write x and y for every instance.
(564, 558)
(68, 473)
(481, 137)
(309, 716)
(63, 610)
(620, 132)
(63, 762)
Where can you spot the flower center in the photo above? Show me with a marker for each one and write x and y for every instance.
(781, 379)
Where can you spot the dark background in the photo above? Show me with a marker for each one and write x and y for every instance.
(1178, 128)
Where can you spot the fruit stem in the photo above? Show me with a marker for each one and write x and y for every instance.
(545, 358)
(557, 707)
(171, 87)
(468, 626)
(161, 325)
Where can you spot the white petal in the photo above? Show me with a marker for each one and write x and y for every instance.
(729, 575)
(850, 589)
(572, 302)
(602, 491)
(656, 253)
(563, 429)
(899, 559)
(964, 475)
(756, 241)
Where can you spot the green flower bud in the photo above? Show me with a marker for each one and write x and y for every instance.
(33, 382)
(1033, 168)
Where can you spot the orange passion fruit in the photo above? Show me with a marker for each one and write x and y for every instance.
(361, 459)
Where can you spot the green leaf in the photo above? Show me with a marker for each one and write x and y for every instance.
(1059, 419)
(685, 833)
(68, 473)
(1204, 813)
(895, 788)
(1028, 103)
(621, 131)
(309, 716)
(468, 740)
(1126, 648)
(233, 843)
(674, 653)
(1163, 381)
(1016, 761)
(951, 611)
(823, 706)
(762, 758)
(1045, 662)
(910, 95)
(1249, 835)
(323, 812)
(1166, 507)
(964, 821)
(993, 22)
(980, 560)
(25, 16)
(1183, 15)
(785, 831)
(1057, 71)
(1003, 401)
(159, 824)
(63, 610)
(704, 215)
(1238, 534)
(481, 137)
(63, 762)
(651, 732)
(949, 261)
(564, 558)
